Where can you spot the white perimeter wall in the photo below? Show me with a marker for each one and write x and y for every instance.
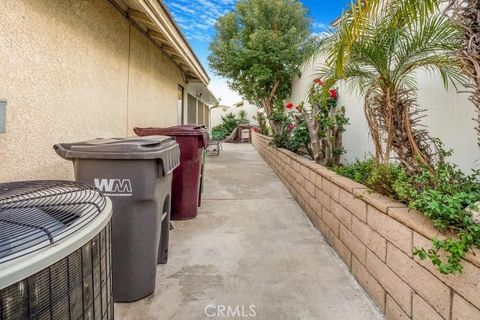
(217, 113)
(448, 116)
(216, 116)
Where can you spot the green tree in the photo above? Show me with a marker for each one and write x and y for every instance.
(243, 117)
(381, 59)
(259, 47)
(230, 122)
(356, 21)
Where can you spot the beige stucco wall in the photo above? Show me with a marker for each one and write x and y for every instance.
(74, 70)
(153, 85)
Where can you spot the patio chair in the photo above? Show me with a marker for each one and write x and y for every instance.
(245, 137)
(214, 146)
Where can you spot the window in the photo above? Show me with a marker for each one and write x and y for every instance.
(200, 113)
(180, 106)
(207, 116)
(191, 110)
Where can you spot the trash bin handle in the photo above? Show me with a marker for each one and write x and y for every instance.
(169, 162)
(161, 170)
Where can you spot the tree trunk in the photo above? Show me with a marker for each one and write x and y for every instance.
(466, 14)
(372, 105)
(276, 127)
(313, 131)
(393, 118)
(337, 140)
(338, 147)
(267, 105)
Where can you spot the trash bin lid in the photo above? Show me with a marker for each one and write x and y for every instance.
(151, 147)
(177, 131)
(145, 148)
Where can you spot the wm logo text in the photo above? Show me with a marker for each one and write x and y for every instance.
(114, 187)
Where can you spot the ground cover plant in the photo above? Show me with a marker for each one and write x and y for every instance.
(443, 194)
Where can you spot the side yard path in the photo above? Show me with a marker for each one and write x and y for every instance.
(251, 248)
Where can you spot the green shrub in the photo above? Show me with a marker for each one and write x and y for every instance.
(262, 123)
(358, 171)
(230, 122)
(442, 194)
(219, 132)
(278, 116)
(243, 117)
(294, 135)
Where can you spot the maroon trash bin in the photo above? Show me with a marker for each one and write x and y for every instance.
(186, 194)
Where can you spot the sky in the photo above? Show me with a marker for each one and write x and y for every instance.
(196, 19)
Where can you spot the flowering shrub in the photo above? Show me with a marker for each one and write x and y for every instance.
(294, 133)
(325, 123)
(262, 122)
(218, 132)
(333, 94)
(317, 131)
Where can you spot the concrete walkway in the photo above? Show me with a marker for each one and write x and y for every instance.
(251, 249)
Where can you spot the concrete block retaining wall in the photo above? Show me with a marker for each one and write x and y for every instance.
(375, 237)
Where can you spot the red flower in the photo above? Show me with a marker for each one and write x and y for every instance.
(290, 105)
(318, 81)
(333, 93)
(290, 127)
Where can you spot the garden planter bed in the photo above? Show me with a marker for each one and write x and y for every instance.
(375, 237)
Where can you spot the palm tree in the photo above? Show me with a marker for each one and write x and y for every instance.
(466, 15)
(362, 12)
(378, 49)
(243, 117)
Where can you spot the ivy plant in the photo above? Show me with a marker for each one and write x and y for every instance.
(443, 194)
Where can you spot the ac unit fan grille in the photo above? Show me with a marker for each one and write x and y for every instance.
(77, 287)
(37, 214)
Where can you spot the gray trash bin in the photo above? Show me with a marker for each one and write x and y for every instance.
(136, 173)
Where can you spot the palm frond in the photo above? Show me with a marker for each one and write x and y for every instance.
(378, 48)
(355, 23)
(428, 44)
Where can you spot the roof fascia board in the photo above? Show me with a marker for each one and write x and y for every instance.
(160, 17)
